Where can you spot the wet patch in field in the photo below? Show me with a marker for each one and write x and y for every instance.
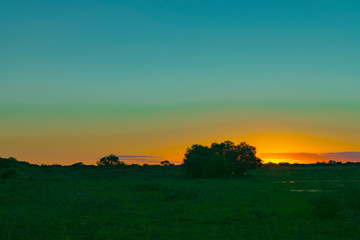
(309, 190)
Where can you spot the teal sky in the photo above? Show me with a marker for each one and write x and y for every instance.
(184, 51)
(167, 65)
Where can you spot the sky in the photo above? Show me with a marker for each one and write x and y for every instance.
(83, 79)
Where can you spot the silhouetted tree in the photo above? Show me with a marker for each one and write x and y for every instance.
(243, 156)
(110, 161)
(195, 159)
(225, 148)
(201, 161)
(166, 163)
(7, 162)
(79, 164)
(270, 165)
(221, 160)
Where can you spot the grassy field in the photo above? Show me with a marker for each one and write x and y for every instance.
(159, 203)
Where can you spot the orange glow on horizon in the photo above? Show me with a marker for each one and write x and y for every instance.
(296, 143)
(87, 149)
(278, 160)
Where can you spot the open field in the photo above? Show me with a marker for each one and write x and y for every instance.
(159, 203)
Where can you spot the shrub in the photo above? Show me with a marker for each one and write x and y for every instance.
(218, 166)
(79, 164)
(111, 161)
(201, 162)
(242, 156)
(7, 162)
(221, 160)
(6, 173)
(166, 163)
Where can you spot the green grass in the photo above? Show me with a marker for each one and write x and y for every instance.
(159, 203)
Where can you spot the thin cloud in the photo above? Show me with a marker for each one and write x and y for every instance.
(342, 156)
(313, 157)
(137, 156)
(140, 158)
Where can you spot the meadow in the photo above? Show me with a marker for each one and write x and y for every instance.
(160, 203)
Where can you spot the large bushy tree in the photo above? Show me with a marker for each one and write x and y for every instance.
(200, 161)
(110, 161)
(220, 160)
(243, 156)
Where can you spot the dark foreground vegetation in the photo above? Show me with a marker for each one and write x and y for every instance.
(158, 202)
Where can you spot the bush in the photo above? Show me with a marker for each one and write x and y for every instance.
(111, 161)
(7, 162)
(7, 173)
(166, 163)
(201, 162)
(218, 166)
(79, 164)
(242, 156)
(221, 160)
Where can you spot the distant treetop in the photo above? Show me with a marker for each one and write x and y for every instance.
(110, 161)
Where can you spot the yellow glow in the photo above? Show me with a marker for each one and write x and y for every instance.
(276, 160)
(88, 137)
(286, 143)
